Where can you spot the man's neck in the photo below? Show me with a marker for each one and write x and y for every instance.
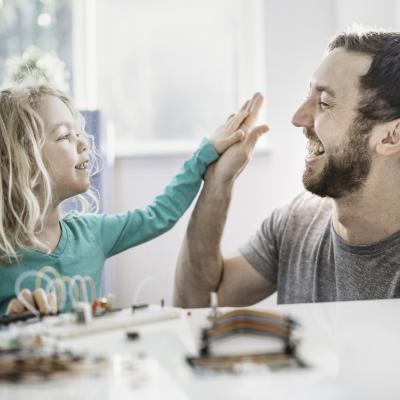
(367, 217)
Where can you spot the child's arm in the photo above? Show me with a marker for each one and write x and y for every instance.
(122, 231)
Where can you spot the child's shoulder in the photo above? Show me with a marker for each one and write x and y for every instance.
(82, 221)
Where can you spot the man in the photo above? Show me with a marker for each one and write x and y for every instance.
(340, 240)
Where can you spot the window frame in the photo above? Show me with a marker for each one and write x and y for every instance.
(250, 64)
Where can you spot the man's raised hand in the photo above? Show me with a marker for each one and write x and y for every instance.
(236, 157)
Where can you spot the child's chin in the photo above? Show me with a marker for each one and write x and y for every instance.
(83, 189)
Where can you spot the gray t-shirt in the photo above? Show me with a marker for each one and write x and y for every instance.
(298, 249)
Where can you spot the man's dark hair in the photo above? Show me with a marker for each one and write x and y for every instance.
(380, 86)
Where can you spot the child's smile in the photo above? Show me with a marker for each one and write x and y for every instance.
(65, 149)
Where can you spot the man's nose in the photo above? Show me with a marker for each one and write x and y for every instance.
(303, 116)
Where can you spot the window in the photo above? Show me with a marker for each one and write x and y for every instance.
(167, 73)
(41, 24)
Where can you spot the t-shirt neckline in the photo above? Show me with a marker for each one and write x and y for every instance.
(374, 248)
(59, 249)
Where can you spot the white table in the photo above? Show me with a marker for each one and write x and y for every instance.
(353, 347)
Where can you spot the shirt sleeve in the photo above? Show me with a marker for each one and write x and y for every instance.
(262, 249)
(122, 231)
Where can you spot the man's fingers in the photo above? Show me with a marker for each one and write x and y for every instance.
(255, 134)
(41, 301)
(254, 108)
(254, 100)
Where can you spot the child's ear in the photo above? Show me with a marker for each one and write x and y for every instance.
(390, 142)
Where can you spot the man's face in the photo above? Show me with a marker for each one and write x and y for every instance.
(339, 157)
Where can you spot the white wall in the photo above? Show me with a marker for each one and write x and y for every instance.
(297, 33)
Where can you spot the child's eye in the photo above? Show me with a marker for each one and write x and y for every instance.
(67, 136)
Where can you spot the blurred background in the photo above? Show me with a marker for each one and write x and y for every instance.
(155, 76)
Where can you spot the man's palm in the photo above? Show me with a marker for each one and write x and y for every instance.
(235, 159)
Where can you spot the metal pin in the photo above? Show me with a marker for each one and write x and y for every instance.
(214, 313)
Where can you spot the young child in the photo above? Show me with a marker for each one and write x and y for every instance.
(45, 158)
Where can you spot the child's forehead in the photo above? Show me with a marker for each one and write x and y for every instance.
(54, 112)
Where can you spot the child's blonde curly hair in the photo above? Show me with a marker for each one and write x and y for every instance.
(26, 189)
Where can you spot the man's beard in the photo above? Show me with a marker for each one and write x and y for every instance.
(346, 170)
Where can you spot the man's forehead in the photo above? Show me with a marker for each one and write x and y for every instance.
(340, 71)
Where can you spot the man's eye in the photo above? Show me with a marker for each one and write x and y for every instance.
(323, 104)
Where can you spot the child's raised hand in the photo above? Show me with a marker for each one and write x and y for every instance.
(45, 303)
(234, 129)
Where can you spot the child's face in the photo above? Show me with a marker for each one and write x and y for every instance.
(65, 151)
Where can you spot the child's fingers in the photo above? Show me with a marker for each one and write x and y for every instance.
(237, 120)
(229, 118)
(25, 296)
(228, 141)
(41, 301)
(52, 300)
(245, 105)
(236, 136)
(15, 307)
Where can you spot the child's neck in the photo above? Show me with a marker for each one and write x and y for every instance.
(51, 232)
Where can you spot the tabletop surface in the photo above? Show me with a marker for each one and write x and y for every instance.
(353, 350)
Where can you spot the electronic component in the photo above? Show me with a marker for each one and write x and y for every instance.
(247, 322)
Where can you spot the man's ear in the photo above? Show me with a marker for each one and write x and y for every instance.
(389, 142)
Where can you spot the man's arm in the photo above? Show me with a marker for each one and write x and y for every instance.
(201, 267)
(242, 285)
(200, 264)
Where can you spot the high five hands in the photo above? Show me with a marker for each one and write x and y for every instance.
(236, 139)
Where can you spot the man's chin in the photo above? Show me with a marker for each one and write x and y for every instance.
(315, 191)
(324, 189)
(314, 186)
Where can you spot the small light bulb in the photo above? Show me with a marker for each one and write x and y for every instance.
(44, 19)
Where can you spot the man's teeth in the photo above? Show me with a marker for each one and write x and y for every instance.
(82, 165)
(315, 148)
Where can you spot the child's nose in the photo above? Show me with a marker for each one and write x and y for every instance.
(82, 144)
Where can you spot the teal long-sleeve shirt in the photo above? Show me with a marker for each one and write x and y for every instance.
(88, 240)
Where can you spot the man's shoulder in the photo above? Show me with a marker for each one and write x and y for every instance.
(307, 203)
(304, 210)
(308, 210)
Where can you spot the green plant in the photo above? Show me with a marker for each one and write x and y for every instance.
(42, 67)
